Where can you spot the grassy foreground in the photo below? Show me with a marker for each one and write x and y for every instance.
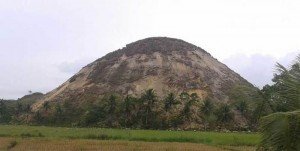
(209, 138)
(38, 144)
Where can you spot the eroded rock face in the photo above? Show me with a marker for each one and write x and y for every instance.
(164, 64)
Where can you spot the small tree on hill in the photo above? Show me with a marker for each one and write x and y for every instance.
(112, 110)
(242, 107)
(207, 112)
(184, 97)
(224, 114)
(128, 110)
(169, 101)
(4, 113)
(46, 106)
(58, 114)
(18, 109)
(187, 111)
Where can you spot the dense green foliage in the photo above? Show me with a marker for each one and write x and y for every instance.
(12, 111)
(184, 111)
(4, 113)
(281, 131)
(211, 138)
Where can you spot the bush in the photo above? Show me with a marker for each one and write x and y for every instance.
(100, 136)
(12, 144)
(26, 135)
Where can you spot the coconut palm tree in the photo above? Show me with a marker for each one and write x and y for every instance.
(169, 101)
(224, 114)
(281, 131)
(128, 108)
(148, 100)
(112, 109)
(289, 82)
(207, 110)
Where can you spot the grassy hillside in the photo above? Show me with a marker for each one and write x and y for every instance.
(25, 100)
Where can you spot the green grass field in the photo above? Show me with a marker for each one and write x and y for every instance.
(46, 144)
(209, 138)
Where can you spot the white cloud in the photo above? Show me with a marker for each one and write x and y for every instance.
(258, 69)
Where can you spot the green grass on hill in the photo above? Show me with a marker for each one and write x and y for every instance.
(210, 138)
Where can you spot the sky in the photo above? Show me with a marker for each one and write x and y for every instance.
(45, 42)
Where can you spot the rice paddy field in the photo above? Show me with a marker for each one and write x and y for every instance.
(60, 138)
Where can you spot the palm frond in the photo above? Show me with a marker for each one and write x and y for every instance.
(280, 68)
(281, 131)
(289, 82)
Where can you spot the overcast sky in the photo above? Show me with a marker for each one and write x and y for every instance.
(44, 42)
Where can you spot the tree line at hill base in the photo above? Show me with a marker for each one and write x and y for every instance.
(248, 107)
(184, 111)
